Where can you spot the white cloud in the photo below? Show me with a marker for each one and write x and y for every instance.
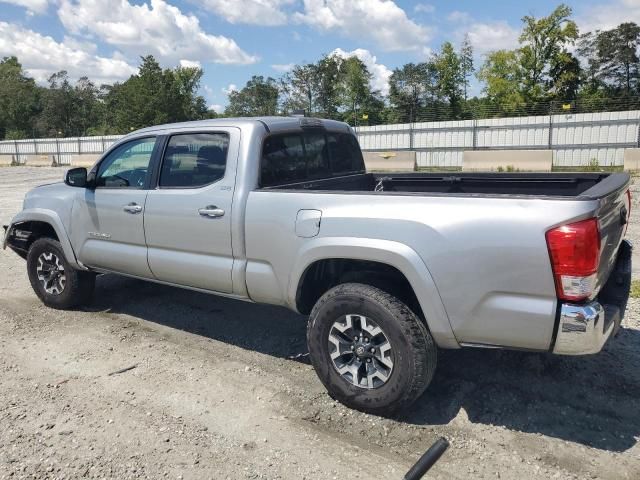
(608, 15)
(32, 6)
(424, 8)
(255, 12)
(208, 90)
(157, 28)
(283, 67)
(381, 21)
(42, 55)
(216, 107)
(460, 17)
(487, 37)
(190, 64)
(231, 88)
(380, 72)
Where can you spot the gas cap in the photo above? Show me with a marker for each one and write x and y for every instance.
(308, 223)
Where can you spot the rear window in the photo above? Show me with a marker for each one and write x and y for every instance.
(298, 157)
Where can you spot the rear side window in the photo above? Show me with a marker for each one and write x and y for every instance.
(194, 160)
(297, 157)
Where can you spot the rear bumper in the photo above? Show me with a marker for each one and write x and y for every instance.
(584, 329)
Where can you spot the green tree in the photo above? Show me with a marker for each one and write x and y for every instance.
(466, 63)
(408, 86)
(19, 100)
(59, 107)
(88, 109)
(300, 88)
(259, 97)
(329, 86)
(566, 72)
(450, 74)
(617, 56)
(502, 74)
(591, 85)
(544, 45)
(154, 96)
(356, 89)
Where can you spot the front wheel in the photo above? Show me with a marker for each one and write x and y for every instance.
(54, 281)
(370, 351)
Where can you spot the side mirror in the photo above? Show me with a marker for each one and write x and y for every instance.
(76, 177)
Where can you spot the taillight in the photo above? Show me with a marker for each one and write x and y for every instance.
(575, 252)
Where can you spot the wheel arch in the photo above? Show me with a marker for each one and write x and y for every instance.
(42, 223)
(384, 257)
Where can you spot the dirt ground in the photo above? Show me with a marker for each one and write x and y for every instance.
(217, 392)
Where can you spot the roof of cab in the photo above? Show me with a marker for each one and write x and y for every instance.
(271, 124)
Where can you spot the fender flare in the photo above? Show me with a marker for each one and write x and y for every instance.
(395, 254)
(52, 218)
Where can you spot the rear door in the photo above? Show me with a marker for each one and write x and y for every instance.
(108, 227)
(188, 215)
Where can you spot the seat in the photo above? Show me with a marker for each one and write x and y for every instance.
(210, 163)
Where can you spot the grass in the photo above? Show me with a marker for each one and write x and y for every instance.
(635, 289)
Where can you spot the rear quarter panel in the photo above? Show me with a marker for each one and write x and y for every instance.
(484, 259)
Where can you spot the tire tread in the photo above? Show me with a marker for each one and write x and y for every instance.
(423, 351)
(80, 284)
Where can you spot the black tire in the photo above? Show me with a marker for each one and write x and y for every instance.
(413, 349)
(78, 285)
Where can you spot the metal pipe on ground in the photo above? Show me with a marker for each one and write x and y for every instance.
(428, 460)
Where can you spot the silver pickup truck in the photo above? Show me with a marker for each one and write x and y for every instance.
(389, 267)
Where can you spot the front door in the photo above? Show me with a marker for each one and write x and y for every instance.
(108, 226)
(188, 216)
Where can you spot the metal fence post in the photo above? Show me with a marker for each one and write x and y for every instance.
(475, 134)
(35, 147)
(15, 147)
(58, 151)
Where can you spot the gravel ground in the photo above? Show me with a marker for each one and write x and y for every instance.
(216, 394)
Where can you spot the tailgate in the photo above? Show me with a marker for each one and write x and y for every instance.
(613, 215)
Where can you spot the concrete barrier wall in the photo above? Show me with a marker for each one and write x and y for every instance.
(403, 161)
(84, 160)
(6, 160)
(632, 159)
(523, 160)
(37, 160)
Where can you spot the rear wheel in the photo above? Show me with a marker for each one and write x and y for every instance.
(53, 279)
(371, 352)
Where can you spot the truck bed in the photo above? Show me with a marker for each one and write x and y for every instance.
(586, 186)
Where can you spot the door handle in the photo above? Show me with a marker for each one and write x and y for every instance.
(211, 211)
(132, 208)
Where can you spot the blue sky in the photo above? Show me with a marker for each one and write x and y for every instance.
(234, 39)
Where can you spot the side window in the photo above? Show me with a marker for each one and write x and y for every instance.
(345, 153)
(127, 165)
(194, 160)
